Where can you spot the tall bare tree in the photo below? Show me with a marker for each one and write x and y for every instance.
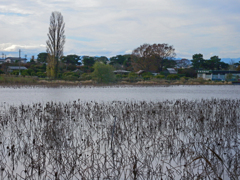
(55, 43)
(153, 57)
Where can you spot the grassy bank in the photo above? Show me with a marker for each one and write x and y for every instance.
(20, 80)
(8, 80)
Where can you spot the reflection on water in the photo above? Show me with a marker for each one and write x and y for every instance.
(29, 95)
(179, 139)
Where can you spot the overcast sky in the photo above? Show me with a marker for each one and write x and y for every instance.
(109, 28)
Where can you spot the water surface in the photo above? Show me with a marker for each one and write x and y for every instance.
(26, 95)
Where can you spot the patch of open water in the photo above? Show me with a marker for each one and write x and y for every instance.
(26, 95)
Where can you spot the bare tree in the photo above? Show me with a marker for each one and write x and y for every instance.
(232, 65)
(141, 58)
(55, 43)
(152, 57)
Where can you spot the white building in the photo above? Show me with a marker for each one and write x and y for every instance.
(171, 71)
(219, 75)
(15, 59)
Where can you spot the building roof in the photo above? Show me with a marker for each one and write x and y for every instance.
(16, 67)
(121, 71)
(140, 71)
(217, 71)
(77, 70)
(16, 58)
(172, 71)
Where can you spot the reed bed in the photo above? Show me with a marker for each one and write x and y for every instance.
(178, 139)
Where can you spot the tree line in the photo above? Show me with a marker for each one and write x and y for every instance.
(214, 63)
(151, 58)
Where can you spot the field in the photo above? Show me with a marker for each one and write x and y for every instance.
(178, 139)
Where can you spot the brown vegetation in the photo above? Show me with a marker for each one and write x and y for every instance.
(149, 140)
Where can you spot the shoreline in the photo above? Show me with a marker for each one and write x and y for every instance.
(61, 83)
(35, 81)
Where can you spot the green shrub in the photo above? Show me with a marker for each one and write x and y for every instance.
(184, 78)
(159, 76)
(124, 75)
(200, 80)
(34, 74)
(103, 73)
(118, 76)
(70, 78)
(132, 75)
(17, 80)
(121, 75)
(71, 67)
(24, 73)
(181, 75)
(41, 74)
(172, 77)
(147, 75)
(189, 72)
(69, 73)
(15, 72)
(85, 76)
(165, 73)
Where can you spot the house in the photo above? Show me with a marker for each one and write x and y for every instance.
(15, 59)
(218, 75)
(171, 71)
(140, 72)
(13, 68)
(2, 61)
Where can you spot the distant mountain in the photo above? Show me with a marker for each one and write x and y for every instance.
(177, 58)
(227, 60)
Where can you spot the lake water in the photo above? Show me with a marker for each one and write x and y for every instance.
(150, 140)
(26, 95)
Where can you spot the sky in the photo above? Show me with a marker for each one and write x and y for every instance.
(109, 28)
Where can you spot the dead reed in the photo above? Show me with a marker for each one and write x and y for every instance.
(178, 139)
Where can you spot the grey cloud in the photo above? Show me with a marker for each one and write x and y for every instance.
(120, 26)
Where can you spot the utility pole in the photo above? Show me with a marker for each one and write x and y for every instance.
(19, 61)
